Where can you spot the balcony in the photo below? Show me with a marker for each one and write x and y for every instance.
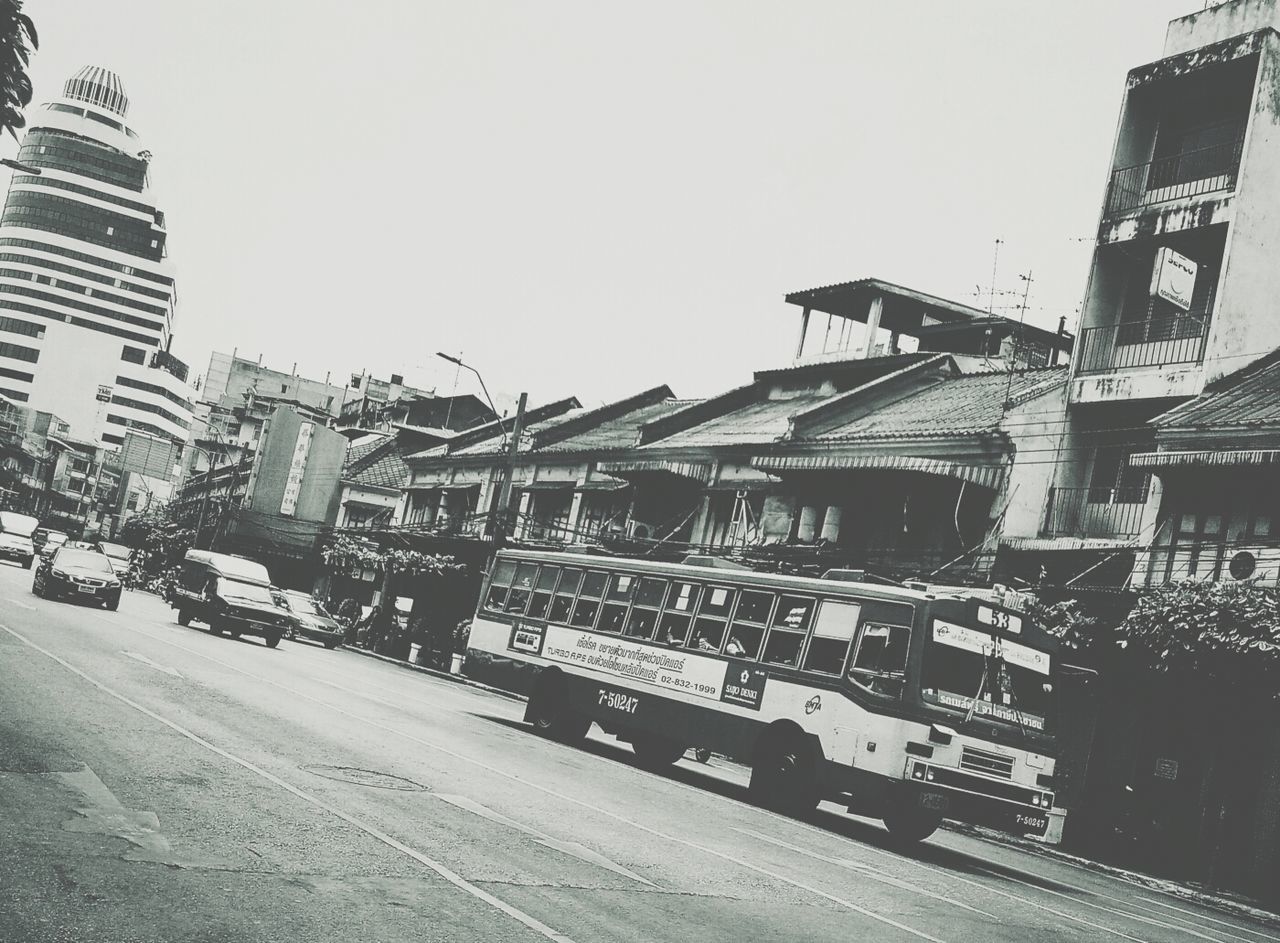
(1094, 513)
(1147, 343)
(1188, 174)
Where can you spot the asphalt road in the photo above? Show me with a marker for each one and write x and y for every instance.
(162, 784)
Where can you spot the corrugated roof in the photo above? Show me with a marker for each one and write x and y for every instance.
(959, 404)
(494, 445)
(1250, 397)
(755, 423)
(620, 432)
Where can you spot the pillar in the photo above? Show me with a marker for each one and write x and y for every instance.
(808, 523)
(804, 329)
(523, 522)
(831, 523)
(575, 511)
(873, 324)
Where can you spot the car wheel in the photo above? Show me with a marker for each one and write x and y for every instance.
(331, 645)
(184, 617)
(112, 605)
(273, 640)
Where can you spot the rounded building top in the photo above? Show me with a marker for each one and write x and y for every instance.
(100, 87)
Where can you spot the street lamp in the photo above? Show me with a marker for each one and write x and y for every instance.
(454, 360)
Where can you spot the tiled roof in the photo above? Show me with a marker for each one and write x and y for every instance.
(494, 445)
(376, 464)
(958, 404)
(1249, 397)
(755, 423)
(357, 451)
(617, 433)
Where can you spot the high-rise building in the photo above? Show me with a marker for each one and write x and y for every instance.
(87, 293)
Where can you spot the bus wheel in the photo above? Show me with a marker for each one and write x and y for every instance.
(656, 752)
(555, 719)
(909, 825)
(783, 776)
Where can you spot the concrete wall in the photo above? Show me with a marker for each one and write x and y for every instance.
(1037, 429)
(1218, 23)
(319, 495)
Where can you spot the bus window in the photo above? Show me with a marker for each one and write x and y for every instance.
(708, 630)
(499, 584)
(540, 602)
(614, 612)
(562, 604)
(832, 632)
(786, 636)
(588, 604)
(749, 623)
(682, 599)
(521, 588)
(644, 610)
(880, 661)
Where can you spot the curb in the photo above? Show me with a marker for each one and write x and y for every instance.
(1239, 907)
(1236, 907)
(436, 673)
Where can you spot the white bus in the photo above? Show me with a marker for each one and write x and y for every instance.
(904, 705)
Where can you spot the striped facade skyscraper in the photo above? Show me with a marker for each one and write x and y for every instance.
(87, 293)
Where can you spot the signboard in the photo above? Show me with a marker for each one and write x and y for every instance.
(297, 467)
(970, 640)
(104, 394)
(1173, 278)
(148, 456)
(1166, 769)
(675, 669)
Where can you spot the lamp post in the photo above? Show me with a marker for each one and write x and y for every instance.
(509, 446)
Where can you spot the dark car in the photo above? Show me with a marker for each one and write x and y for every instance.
(309, 619)
(74, 573)
(229, 594)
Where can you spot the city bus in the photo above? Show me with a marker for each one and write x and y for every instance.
(903, 704)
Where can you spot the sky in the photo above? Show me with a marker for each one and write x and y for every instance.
(593, 199)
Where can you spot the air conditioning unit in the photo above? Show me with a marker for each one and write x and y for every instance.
(638, 530)
(1261, 564)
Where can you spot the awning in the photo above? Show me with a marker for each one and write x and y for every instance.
(987, 476)
(1053, 544)
(696, 471)
(439, 486)
(1211, 457)
(592, 485)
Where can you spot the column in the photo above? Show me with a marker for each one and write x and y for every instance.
(526, 506)
(804, 329)
(831, 523)
(575, 511)
(873, 324)
(809, 515)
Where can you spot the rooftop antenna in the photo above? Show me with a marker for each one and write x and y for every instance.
(995, 259)
(1017, 342)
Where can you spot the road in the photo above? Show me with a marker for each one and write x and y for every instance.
(162, 784)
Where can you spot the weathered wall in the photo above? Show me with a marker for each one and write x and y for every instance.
(1036, 429)
(1219, 23)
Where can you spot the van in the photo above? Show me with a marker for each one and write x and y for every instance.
(229, 594)
(15, 537)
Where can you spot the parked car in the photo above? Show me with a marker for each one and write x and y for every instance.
(15, 537)
(48, 540)
(310, 620)
(230, 595)
(118, 554)
(76, 573)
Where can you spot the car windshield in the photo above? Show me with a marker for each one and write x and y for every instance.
(246, 592)
(89, 560)
(968, 669)
(119, 551)
(306, 605)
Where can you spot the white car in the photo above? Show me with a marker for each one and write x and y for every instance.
(15, 537)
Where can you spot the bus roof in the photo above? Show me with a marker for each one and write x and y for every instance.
(807, 583)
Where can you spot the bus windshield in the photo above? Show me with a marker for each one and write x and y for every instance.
(968, 669)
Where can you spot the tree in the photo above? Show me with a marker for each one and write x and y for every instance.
(17, 40)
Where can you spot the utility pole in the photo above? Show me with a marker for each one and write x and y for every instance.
(508, 472)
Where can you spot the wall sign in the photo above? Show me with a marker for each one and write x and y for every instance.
(1173, 278)
(293, 484)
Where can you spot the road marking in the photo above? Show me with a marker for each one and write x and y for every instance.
(1182, 910)
(866, 871)
(453, 878)
(480, 764)
(22, 605)
(153, 664)
(572, 849)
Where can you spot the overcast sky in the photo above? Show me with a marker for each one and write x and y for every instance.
(594, 198)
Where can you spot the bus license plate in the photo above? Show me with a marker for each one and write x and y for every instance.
(616, 700)
(1032, 823)
(935, 801)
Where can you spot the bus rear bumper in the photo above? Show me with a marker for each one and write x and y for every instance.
(981, 800)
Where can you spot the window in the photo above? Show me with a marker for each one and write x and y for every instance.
(708, 630)
(786, 636)
(1113, 481)
(880, 662)
(588, 604)
(832, 632)
(616, 600)
(540, 602)
(749, 623)
(644, 608)
(682, 599)
(521, 588)
(133, 354)
(499, 583)
(562, 604)
(284, 387)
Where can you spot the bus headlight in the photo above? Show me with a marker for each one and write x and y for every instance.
(1035, 800)
(917, 772)
(929, 775)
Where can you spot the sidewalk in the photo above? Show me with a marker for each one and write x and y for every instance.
(1223, 902)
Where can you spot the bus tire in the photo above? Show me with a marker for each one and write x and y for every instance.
(656, 752)
(783, 777)
(553, 718)
(908, 825)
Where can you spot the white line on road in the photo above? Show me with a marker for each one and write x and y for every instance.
(866, 871)
(453, 878)
(21, 605)
(153, 664)
(1182, 910)
(570, 848)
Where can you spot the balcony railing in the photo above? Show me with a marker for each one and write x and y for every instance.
(1191, 173)
(1094, 512)
(1147, 343)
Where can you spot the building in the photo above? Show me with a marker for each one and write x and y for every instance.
(86, 288)
(1181, 283)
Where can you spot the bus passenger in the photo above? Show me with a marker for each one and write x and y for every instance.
(734, 647)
